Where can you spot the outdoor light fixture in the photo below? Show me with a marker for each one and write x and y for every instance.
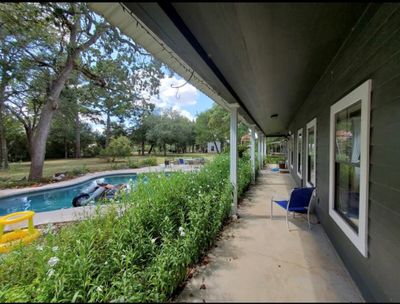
(273, 116)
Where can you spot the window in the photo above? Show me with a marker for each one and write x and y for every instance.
(348, 168)
(212, 148)
(291, 150)
(311, 146)
(299, 152)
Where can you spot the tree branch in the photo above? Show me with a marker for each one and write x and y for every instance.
(90, 75)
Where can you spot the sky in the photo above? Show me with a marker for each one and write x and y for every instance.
(187, 100)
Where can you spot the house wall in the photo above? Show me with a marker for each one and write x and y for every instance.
(371, 51)
(211, 145)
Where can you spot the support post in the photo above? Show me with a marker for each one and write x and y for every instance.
(262, 150)
(252, 154)
(234, 155)
(265, 148)
(259, 150)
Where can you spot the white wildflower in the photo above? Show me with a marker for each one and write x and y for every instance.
(53, 261)
(99, 289)
(39, 247)
(105, 263)
(153, 240)
(123, 256)
(181, 231)
(55, 248)
(49, 228)
(50, 272)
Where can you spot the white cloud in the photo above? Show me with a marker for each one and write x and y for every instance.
(184, 112)
(170, 98)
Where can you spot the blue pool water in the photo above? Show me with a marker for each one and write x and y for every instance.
(56, 199)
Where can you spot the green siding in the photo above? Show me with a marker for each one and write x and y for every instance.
(371, 51)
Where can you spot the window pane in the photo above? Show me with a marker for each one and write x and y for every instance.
(348, 129)
(299, 149)
(311, 156)
(347, 163)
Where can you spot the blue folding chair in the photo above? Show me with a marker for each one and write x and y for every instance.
(299, 202)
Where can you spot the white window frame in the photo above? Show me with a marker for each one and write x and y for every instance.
(299, 134)
(291, 156)
(363, 94)
(312, 124)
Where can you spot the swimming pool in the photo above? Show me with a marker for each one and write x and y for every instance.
(55, 199)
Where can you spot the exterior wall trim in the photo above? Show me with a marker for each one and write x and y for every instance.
(363, 94)
(312, 124)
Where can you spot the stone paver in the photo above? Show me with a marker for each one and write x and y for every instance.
(259, 260)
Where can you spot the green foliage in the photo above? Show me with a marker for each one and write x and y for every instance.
(118, 147)
(142, 255)
(132, 163)
(274, 159)
(79, 170)
(147, 162)
(242, 149)
(213, 125)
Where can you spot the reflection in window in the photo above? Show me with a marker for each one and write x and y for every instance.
(299, 151)
(347, 163)
(311, 156)
(291, 149)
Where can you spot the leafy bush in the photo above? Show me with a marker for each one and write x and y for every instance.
(118, 147)
(141, 255)
(151, 161)
(274, 159)
(132, 163)
(79, 170)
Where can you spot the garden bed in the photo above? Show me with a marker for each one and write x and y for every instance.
(143, 255)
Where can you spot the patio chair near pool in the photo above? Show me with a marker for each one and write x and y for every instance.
(299, 202)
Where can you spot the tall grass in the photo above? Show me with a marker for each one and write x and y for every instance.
(139, 255)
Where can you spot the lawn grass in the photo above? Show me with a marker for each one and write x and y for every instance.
(18, 171)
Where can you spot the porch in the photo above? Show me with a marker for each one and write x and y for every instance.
(257, 259)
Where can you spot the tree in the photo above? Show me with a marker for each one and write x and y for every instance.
(131, 83)
(213, 125)
(66, 37)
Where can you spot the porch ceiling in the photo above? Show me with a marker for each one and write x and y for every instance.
(264, 56)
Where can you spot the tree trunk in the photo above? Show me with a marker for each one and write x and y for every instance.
(143, 147)
(165, 149)
(216, 147)
(77, 136)
(38, 149)
(65, 148)
(108, 128)
(3, 141)
(151, 148)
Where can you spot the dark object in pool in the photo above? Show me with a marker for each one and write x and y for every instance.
(106, 191)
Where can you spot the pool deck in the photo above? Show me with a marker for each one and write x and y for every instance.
(80, 213)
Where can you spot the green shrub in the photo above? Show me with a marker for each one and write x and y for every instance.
(79, 170)
(274, 159)
(142, 255)
(118, 147)
(147, 162)
(132, 163)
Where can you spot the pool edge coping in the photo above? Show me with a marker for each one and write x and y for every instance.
(4, 193)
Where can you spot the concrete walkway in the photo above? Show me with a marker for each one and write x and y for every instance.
(259, 260)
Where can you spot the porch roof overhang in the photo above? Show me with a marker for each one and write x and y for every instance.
(266, 57)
